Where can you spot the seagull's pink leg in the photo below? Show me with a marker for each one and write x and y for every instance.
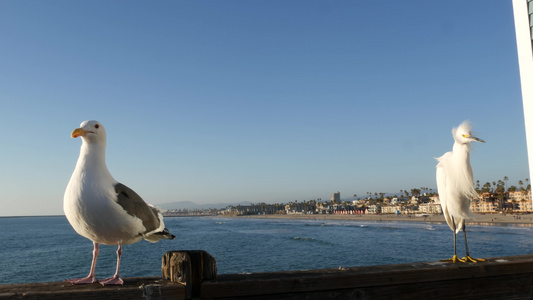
(91, 278)
(115, 280)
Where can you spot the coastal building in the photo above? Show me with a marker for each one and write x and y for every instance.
(410, 209)
(374, 209)
(254, 209)
(485, 205)
(300, 208)
(525, 206)
(434, 199)
(520, 201)
(336, 197)
(391, 209)
(430, 208)
(293, 210)
(323, 208)
(519, 196)
(339, 209)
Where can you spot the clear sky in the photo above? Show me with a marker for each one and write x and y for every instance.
(261, 101)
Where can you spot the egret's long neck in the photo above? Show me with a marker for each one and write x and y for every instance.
(463, 170)
(461, 154)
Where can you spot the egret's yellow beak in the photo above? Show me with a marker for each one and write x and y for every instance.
(469, 136)
(477, 139)
(78, 132)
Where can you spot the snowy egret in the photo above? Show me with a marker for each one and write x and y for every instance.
(455, 185)
(104, 210)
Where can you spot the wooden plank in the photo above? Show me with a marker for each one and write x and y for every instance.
(154, 288)
(472, 289)
(496, 276)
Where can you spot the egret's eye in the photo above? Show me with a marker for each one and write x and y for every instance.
(97, 126)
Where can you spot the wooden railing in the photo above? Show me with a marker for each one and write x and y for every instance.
(192, 275)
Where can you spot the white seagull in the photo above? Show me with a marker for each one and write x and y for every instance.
(104, 210)
(455, 184)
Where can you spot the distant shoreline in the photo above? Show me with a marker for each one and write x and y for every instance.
(487, 219)
(34, 216)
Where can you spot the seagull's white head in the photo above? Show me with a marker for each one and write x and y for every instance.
(91, 132)
(462, 134)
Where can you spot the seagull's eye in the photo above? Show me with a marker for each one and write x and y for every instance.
(97, 126)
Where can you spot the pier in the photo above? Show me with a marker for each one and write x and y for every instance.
(193, 275)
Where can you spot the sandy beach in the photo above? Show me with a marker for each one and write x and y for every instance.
(486, 219)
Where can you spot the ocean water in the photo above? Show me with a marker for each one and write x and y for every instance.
(39, 249)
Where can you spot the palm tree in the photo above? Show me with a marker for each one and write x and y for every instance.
(505, 178)
(486, 187)
(500, 187)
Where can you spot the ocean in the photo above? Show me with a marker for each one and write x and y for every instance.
(40, 249)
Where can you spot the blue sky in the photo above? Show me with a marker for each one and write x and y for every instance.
(274, 101)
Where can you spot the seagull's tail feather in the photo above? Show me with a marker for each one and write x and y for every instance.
(160, 233)
(156, 236)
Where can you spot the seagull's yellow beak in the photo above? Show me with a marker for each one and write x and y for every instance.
(78, 132)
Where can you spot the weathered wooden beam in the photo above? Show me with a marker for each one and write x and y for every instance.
(498, 278)
(154, 288)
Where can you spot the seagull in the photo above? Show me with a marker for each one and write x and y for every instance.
(104, 210)
(455, 185)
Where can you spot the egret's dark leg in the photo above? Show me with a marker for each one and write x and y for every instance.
(466, 243)
(455, 258)
(454, 243)
(468, 257)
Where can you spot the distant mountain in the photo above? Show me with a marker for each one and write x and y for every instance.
(192, 205)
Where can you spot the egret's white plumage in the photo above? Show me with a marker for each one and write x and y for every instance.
(455, 183)
(102, 209)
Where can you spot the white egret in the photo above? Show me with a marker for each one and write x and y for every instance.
(104, 210)
(455, 185)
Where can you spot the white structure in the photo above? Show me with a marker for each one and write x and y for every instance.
(523, 12)
(430, 208)
(336, 197)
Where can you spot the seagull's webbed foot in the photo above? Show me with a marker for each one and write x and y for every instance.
(115, 280)
(454, 259)
(468, 258)
(86, 280)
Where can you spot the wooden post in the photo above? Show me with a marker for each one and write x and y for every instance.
(190, 268)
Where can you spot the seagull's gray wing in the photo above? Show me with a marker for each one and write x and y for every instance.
(135, 206)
